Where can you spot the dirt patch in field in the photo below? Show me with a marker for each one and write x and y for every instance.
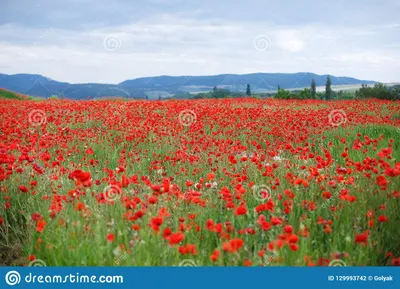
(12, 256)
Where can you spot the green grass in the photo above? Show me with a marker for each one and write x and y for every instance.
(372, 131)
(9, 94)
(73, 238)
(64, 245)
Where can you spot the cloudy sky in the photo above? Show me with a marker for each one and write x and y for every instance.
(110, 41)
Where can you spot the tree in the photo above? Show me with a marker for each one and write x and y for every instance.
(159, 97)
(328, 89)
(306, 93)
(282, 94)
(313, 88)
(395, 90)
(279, 87)
(201, 95)
(379, 91)
(215, 88)
(248, 91)
(220, 93)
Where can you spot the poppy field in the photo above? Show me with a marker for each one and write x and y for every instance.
(211, 182)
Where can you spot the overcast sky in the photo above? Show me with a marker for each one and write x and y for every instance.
(110, 41)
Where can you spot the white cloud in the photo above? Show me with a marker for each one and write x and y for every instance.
(291, 44)
(173, 44)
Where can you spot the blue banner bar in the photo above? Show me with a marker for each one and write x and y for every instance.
(199, 277)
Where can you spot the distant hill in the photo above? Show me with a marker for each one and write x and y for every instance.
(164, 86)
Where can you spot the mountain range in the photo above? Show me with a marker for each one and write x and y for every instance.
(165, 86)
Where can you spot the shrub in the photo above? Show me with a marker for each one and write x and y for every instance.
(282, 94)
(379, 90)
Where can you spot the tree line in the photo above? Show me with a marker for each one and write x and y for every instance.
(379, 90)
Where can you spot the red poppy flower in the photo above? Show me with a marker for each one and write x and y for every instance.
(396, 261)
(23, 189)
(241, 210)
(383, 219)
(40, 225)
(176, 238)
(233, 245)
(110, 237)
(361, 238)
(215, 255)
